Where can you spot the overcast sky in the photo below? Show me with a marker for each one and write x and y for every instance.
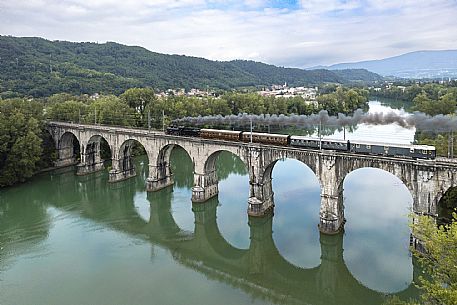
(289, 33)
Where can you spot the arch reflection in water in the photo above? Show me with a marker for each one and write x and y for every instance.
(262, 272)
(178, 198)
(297, 202)
(377, 205)
(232, 218)
(182, 169)
(233, 191)
(259, 271)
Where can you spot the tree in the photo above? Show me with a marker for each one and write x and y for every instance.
(218, 106)
(439, 261)
(64, 97)
(111, 110)
(439, 284)
(329, 102)
(139, 98)
(447, 104)
(69, 111)
(422, 102)
(20, 142)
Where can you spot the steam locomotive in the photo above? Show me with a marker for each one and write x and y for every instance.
(362, 147)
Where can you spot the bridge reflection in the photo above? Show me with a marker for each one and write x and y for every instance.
(260, 270)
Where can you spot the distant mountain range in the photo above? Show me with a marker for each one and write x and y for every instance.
(38, 67)
(420, 64)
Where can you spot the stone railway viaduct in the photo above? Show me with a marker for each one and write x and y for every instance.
(427, 180)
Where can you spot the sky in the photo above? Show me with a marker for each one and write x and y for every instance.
(290, 33)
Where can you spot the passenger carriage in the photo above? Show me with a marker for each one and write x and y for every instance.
(309, 142)
(394, 150)
(265, 138)
(229, 135)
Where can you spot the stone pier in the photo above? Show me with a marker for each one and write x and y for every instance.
(205, 186)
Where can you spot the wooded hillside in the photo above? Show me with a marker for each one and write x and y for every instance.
(39, 67)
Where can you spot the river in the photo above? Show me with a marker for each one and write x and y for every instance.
(80, 240)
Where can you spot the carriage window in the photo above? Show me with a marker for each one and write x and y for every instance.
(424, 151)
(411, 150)
(368, 146)
(357, 145)
(386, 147)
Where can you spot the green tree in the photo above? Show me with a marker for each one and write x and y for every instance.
(218, 106)
(439, 261)
(329, 102)
(446, 104)
(69, 111)
(439, 283)
(20, 142)
(110, 110)
(139, 99)
(64, 97)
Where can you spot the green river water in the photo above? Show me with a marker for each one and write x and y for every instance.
(66, 239)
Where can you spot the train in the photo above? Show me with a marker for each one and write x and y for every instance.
(361, 147)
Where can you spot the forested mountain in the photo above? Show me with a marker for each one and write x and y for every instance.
(38, 67)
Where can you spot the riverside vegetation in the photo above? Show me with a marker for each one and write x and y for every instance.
(432, 99)
(438, 284)
(25, 144)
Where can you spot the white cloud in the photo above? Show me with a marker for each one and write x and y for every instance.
(318, 32)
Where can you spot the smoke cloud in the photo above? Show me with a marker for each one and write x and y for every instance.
(419, 120)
